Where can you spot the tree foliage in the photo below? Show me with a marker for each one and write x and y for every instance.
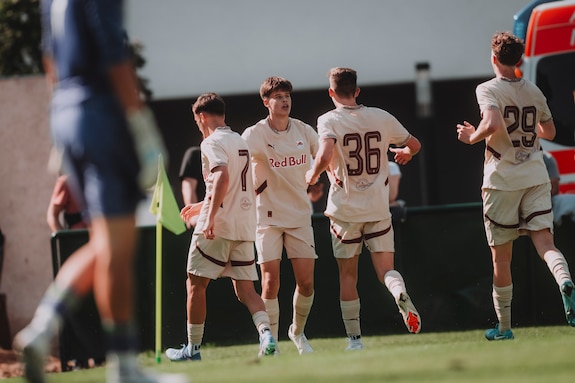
(20, 34)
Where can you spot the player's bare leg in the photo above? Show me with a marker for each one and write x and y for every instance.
(74, 280)
(114, 241)
(196, 307)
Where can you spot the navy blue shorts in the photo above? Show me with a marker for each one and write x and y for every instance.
(98, 154)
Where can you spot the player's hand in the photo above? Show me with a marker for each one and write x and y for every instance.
(209, 229)
(149, 145)
(464, 132)
(309, 178)
(402, 155)
(191, 210)
(315, 192)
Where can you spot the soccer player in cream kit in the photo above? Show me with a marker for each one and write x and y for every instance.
(516, 190)
(282, 149)
(354, 140)
(223, 240)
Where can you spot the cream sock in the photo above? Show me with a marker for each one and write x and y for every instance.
(195, 337)
(558, 266)
(502, 297)
(301, 308)
(394, 283)
(273, 310)
(350, 315)
(261, 321)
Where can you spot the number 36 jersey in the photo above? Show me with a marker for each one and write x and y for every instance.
(513, 156)
(359, 190)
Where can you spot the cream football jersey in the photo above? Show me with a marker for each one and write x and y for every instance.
(236, 217)
(359, 190)
(513, 156)
(280, 160)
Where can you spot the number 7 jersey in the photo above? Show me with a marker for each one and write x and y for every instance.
(359, 171)
(513, 156)
(236, 217)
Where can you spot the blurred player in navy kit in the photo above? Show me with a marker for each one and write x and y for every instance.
(110, 147)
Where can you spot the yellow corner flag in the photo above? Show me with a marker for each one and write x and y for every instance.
(164, 205)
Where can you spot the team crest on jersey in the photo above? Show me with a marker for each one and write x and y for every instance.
(362, 184)
(299, 144)
(245, 203)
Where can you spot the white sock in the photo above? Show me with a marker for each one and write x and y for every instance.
(350, 315)
(55, 303)
(301, 308)
(273, 310)
(394, 283)
(502, 297)
(195, 337)
(261, 321)
(558, 266)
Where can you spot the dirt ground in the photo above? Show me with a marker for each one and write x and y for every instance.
(10, 365)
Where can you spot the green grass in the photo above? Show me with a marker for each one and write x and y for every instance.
(538, 354)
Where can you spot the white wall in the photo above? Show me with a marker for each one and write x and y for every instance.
(25, 190)
(230, 46)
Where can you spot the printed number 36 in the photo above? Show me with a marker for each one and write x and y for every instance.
(367, 156)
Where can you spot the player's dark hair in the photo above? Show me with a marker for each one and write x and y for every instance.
(210, 103)
(343, 81)
(507, 48)
(274, 84)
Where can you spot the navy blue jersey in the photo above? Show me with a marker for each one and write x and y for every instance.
(84, 38)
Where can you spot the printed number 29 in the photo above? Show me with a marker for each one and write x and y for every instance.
(524, 119)
(366, 157)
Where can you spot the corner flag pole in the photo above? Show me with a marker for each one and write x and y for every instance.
(165, 208)
(158, 292)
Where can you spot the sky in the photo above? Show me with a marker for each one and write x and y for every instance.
(230, 46)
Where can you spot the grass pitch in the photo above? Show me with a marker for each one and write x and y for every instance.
(537, 354)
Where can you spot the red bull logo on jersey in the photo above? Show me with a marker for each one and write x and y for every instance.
(299, 144)
(287, 162)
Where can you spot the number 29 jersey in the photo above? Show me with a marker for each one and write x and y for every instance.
(358, 173)
(513, 156)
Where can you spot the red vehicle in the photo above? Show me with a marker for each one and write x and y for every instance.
(548, 28)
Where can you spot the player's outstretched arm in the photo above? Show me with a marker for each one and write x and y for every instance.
(405, 154)
(546, 130)
(491, 121)
(322, 160)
